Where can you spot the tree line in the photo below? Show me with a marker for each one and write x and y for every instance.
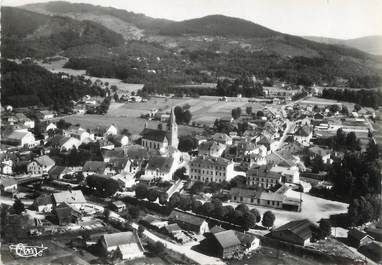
(367, 98)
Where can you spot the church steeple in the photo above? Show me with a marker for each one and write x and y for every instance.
(173, 141)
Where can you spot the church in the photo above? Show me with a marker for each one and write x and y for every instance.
(153, 139)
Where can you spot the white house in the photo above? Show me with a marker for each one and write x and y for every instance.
(126, 244)
(43, 203)
(303, 135)
(211, 169)
(46, 114)
(50, 126)
(112, 130)
(40, 165)
(79, 133)
(6, 166)
(8, 185)
(159, 167)
(74, 198)
(20, 139)
(288, 174)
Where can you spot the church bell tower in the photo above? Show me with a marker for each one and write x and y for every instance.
(173, 141)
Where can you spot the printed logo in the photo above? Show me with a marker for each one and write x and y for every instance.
(25, 251)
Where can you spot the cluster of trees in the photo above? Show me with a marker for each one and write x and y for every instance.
(240, 215)
(368, 98)
(365, 209)
(143, 192)
(182, 114)
(104, 186)
(367, 81)
(244, 86)
(187, 143)
(29, 85)
(236, 112)
(343, 141)
(357, 179)
(357, 174)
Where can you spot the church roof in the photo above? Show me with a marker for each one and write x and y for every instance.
(154, 135)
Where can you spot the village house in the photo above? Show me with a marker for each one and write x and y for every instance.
(58, 172)
(40, 165)
(6, 166)
(226, 243)
(189, 221)
(79, 133)
(303, 134)
(211, 148)
(248, 242)
(325, 153)
(288, 174)
(43, 203)
(50, 126)
(65, 214)
(46, 114)
(297, 232)
(20, 139)
(64, 143)
(112, 130)
(159, 167)
(74, 198)
(222, 138)
(283, 198)
(211, 169)
(118, 206)
(93, 167)
(119, 140)
(261, 176)
(8, 185)
(125, 180)
(126, 244)
(358, 238)
(24, 120)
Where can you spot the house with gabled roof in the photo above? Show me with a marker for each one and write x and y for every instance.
(211, 148)
(297, 232)
(227, 244)
(43, 203)
(126, 244)
(359, 238)
(303, 134)
(159, 167)
(74, 197)
(40, 165)
(189, 221)
(20, 139)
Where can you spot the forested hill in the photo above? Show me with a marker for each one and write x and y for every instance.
(28, 84)
(196, 50)
(26, 33)
(218, 25)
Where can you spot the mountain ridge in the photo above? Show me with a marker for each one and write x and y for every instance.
(215, 43)
(371, 44)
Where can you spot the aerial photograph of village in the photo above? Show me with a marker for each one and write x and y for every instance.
(206, 132)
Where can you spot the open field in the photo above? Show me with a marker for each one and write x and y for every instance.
(133, 124)
(204, 109)
(127, 115)
(322, 102)
(313, 208)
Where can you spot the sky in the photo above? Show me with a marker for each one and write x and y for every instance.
(344, 19)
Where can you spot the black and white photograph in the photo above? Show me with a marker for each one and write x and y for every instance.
(191, 132)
